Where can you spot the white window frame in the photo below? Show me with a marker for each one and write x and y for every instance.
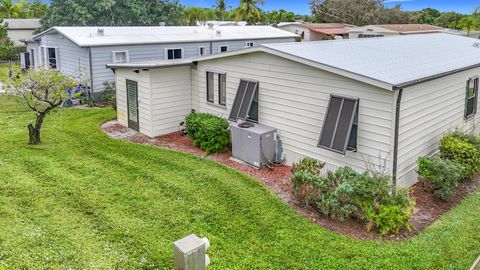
(220, 48)
(247, 44)
(200, 51)
(46, 60)
(166, 53)
(114, 56)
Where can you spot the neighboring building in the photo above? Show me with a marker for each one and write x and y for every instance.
(70, 49)
(20, 30)
(315, 31)
(383, 30)
(223, 23)
(365, 103)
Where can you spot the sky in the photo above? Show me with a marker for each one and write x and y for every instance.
(301, 6)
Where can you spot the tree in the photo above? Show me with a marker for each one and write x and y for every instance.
(195, 14)
(275, 17)
(428, 15)
(37, 9)
(222, 8)
(43, 91)
(112, 13)
(10, 9)
(249, 11)
(448, 20)
(469, 23)
(358, 12)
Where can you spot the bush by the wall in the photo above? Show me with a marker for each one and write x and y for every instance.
(309, 164)
(346, 194)
(440, 176)
(208, 132)
(460, 150)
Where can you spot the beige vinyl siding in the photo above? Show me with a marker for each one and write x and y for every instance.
(294, 97)
(144, 98)
(170, 98)
(19, 34)
(428, 111)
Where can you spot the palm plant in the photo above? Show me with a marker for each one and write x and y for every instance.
(222, 8)
(249, 11)
(194, 15)
(9, 8)
(469, 23)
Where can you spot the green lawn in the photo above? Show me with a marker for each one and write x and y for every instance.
(83, 200)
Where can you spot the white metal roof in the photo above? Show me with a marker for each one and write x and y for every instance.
(22, 23)
(395, 60)
(88, 36)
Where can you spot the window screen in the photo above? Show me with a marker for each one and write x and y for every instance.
(471, 98)
(338, 125)
(210, 93)
(222, 89)
(243, 100)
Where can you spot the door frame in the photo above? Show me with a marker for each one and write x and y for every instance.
(131, 124)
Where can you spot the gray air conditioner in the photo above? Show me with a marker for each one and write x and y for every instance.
(253, 144)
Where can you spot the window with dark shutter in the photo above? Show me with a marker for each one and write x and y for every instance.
(222, 89)
(210, 93)
(243, 100)
(340, 125)
(471, 98)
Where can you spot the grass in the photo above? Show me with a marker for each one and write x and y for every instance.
(5, 71)
(83, 200)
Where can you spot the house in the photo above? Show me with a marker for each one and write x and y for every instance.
(371, 104)
(19, 30)
(315, 31)
(90, 49)
(383, 30)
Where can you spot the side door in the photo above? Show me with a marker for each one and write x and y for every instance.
(132, 105)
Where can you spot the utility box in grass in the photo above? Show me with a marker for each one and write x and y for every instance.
(190, 253)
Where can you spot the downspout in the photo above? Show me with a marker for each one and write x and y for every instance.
(91, 70)
(211, 47)
(395, 138)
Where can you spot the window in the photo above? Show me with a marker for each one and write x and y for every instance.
(201, 51)
(244, 99)
(174, 54)
(120, 56)
(223, 49)
(210, 84)
(250, 44)
(340, 125)
(52, 58)
(222, 89)
(32, 57)
(471, 98)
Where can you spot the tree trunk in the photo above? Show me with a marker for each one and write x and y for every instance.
(34, 131)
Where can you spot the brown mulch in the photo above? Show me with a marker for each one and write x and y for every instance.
(428, 208)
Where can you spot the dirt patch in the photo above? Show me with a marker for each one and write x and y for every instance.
(428, 208)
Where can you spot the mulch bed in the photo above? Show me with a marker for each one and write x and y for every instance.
(428, 208)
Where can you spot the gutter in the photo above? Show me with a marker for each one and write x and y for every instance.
(395, 138)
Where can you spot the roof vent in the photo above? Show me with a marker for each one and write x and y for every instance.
(210, 25)
(162, 24)
(100, 32)
(219, 32)
(476, 45)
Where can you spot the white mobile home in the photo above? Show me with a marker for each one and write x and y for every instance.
(70, 49)
(365, 103)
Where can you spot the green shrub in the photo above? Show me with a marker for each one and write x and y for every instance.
(208, 132)
(440, 176)
(109, 93)
(390, 215)
(345, 194)
(305, 185)
(311, 165)
(460, 150)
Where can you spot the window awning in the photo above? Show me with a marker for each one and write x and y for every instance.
(330, 31)
(243, 100)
